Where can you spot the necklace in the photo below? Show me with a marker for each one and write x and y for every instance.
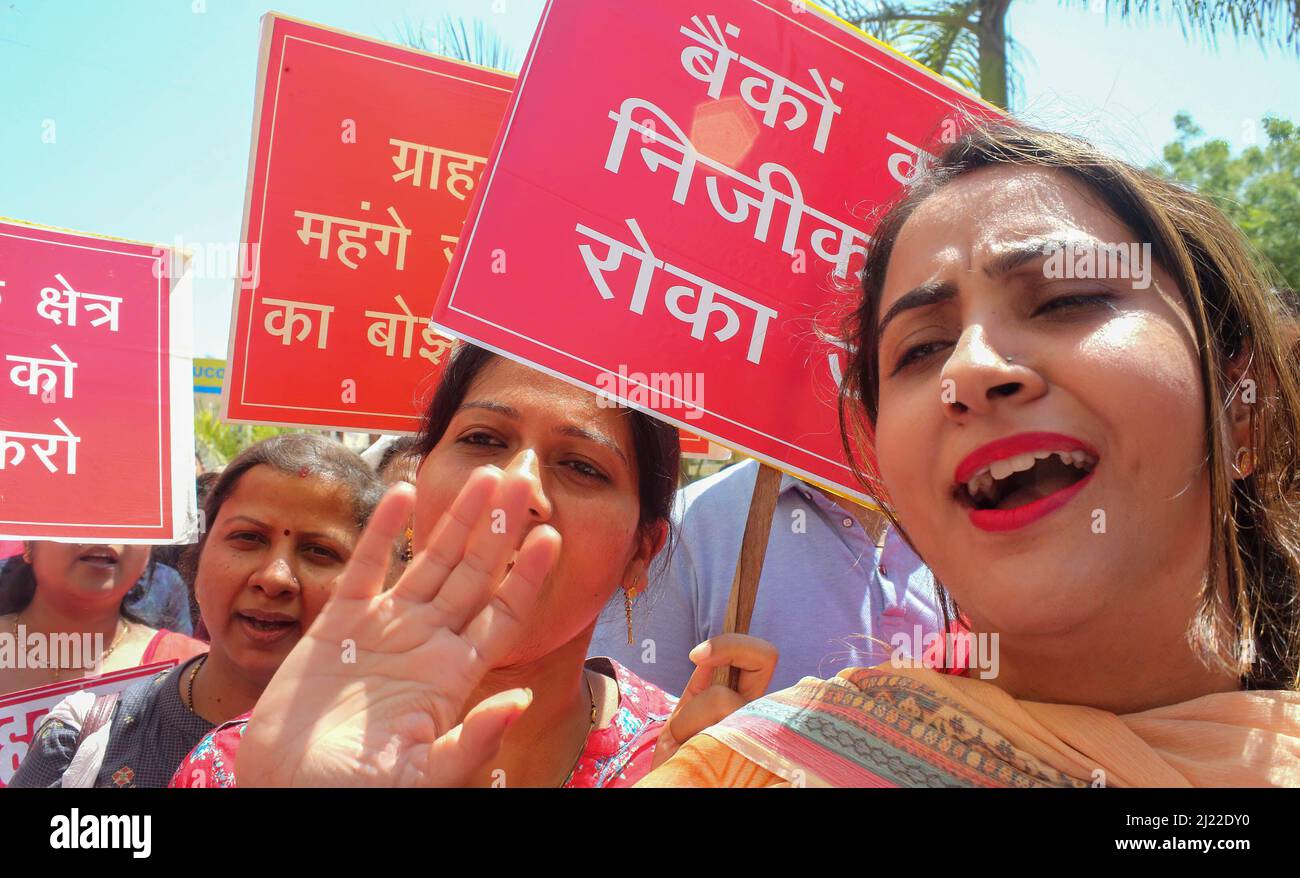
(119, 633)
(582, 748)
(189, 689)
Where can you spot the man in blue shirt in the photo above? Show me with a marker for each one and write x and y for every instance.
(834, 578)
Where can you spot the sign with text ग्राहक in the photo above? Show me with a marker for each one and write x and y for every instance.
(21, 712)
(683, 190)
(96, 415)
(365, 157)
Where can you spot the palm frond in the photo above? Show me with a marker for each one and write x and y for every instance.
(473, 42)
(940, 35)
(1268, 22)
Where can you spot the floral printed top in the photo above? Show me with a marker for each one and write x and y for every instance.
(617, 755)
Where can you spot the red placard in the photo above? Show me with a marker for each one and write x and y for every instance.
(701, 448)
(363, 162)
(21, 712)
(96, 416)
(681, 193)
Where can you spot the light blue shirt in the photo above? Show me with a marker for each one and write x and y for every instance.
(826, 589)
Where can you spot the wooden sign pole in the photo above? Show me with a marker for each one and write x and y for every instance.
(753, 547)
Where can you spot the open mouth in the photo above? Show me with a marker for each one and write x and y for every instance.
(99, 556)
(1014, 481)
(265, 627)
(1024, 479)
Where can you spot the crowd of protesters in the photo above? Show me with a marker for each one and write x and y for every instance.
(526, 595)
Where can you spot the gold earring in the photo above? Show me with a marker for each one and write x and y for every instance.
(1242, 462)
(408, 553)
(628, 594)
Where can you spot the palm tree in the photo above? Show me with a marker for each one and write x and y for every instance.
(967, 40)
(455, 38)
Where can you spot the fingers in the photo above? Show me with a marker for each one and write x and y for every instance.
(708, 708)
(498, 625)
(462, 754)
(704, 704)
(364, 575)
(754, 657)
(492, 543)
(435, 560)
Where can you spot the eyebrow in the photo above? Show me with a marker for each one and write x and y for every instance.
(306, 533)
(924, 296)
(1013, 256)
(1007, 260)
(570, 430)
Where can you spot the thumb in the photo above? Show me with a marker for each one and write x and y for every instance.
(463, 753)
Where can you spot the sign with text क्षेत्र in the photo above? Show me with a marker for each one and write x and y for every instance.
(96, 410)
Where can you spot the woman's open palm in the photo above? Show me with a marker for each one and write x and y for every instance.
(372, 694)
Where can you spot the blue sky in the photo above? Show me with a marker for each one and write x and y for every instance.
(150, 102)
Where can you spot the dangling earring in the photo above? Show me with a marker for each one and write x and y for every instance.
(408, 553)
(628, 594)
(1242, 462)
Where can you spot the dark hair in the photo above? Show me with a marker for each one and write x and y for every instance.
(18, 587)
(655, 444)
(1255, 521)
(291, 454)
(397, 449)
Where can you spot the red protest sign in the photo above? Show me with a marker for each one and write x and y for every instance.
(363, 162)
(21, 712)
(683, 196)
(695, 447)
(96, 416)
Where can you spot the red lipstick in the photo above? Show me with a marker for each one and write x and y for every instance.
(997, 520)
(1021, 443)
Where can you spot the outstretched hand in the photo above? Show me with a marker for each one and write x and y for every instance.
(373, 693)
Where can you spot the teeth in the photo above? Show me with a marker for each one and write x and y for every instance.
(1018, 464)
(1021, 463)
(981, 483)
(1078, 459)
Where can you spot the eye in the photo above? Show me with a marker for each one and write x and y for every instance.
(1075, 301)
(481, 438)
(916, 354)
(322, 553)
(586, 470)
(247, 537)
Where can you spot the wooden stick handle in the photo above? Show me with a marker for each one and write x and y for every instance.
(753, 547)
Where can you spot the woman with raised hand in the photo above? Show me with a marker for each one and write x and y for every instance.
(1108, 489)
(536, 503)
(284, 517)
(1108, 483)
